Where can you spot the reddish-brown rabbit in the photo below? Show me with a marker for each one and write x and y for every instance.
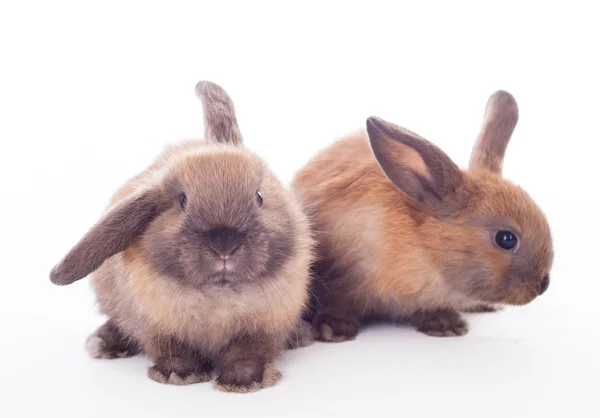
(404, 233)
(200, 262)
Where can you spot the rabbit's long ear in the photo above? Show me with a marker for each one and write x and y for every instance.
(220, 123)
(111, 235)
(415, 166)
(501, 116)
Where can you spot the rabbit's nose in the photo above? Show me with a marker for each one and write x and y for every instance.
(545, 283)
(225, 241)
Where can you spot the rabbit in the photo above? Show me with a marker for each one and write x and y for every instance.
(201, 262)
(403, 234)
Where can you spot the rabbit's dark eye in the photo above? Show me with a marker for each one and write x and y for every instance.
(259, 199)
(506, 240)
(182, 200)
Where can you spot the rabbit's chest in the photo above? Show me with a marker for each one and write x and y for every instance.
(210, 317)
(433, 295)
(205, 315)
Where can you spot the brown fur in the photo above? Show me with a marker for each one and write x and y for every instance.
(270, 377)
(440, 323)
(401, 229)
(160, 266)
(109, 342)
(177, 362)
(500, 119)
(218, 107)
(483, 308)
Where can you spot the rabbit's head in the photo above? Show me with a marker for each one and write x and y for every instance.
(211, 215)
(487, 237)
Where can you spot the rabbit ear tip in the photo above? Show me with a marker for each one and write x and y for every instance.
(200, 87)
(376, 122)
(502, 93)
(503, 103)
(503, 98)
(204, 87)
(56, 277)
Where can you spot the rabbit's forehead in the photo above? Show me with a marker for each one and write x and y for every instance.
(218, 171)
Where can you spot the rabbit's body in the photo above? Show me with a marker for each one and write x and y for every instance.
(208, 317)
(146, 304)
(201, 261)
(402, 233)
(355, 231)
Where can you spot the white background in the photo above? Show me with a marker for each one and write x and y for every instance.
(90, 92)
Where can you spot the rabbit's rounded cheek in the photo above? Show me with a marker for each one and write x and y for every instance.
(474, 278)
(278, 247)
(159, 249)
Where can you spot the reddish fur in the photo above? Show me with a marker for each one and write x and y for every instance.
(383, 253)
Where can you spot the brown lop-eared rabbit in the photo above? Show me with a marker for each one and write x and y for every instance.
(404, 234)
(201, 262)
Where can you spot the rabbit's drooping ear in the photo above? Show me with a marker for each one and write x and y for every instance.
(220, 124)
(111, 235)
(501, 116)
(415, 166)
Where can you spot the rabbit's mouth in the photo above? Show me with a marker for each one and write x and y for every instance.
(227, 275)
(224, 264)
(522, 295)
(223, 278)
(527, 291)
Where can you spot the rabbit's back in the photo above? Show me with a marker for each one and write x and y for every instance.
(365, 229)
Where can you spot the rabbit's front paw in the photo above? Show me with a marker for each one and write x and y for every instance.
(482, 308)
(239, 384)
(331, 328)
(109, 342)
(440, 323)
(179, 379)
(182, 370)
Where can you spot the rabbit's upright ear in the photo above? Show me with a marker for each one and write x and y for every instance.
(111, 235)
(220, 123)
(415, 166)
(501, 116)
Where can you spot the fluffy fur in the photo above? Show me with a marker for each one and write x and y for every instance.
(403, 233)
(201, 262)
